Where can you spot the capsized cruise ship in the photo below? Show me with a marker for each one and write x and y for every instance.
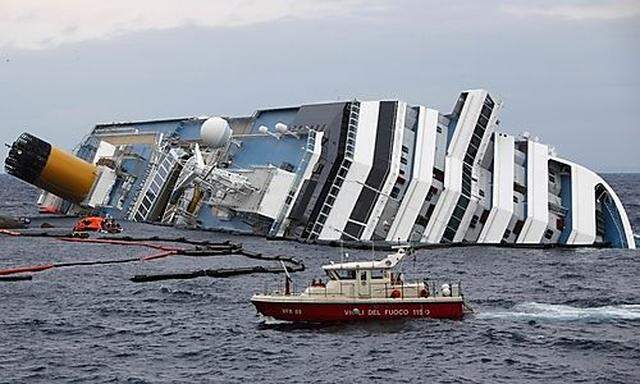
(352, 170)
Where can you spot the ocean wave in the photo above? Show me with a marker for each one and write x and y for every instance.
(542, 311)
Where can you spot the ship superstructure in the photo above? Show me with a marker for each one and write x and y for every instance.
(352, 170)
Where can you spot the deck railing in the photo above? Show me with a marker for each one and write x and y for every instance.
(408, 291)
(380, 290)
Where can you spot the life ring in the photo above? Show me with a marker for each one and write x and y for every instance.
(396, 294)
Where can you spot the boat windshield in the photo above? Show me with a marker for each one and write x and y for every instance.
(377, 274)
(344, 274)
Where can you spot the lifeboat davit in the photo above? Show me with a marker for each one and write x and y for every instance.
(363, 290)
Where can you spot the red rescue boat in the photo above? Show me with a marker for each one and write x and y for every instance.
(363, 290)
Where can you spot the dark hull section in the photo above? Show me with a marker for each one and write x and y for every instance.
(330, 119)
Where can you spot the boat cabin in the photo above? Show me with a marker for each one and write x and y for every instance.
(365, 279)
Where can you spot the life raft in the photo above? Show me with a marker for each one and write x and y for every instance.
(97, 224)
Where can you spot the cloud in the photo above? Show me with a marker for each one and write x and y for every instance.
(29, 24)
(594, 10)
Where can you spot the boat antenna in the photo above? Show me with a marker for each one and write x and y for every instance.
(288, 280)
(286, 271)
(414, 257)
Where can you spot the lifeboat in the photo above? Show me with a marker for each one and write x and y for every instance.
(363, 290)
(97, 224)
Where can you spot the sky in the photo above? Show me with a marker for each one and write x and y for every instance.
(567, 71)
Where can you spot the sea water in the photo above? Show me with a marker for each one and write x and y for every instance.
(540, 316)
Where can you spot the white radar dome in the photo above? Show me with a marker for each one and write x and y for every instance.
(215, 132)
(446, 290)
(281, 127)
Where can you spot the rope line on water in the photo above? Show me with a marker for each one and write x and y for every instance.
(15, 278)
(222, 272)
(40, 268)
(171, 240)
(121, 242)
(33, 268)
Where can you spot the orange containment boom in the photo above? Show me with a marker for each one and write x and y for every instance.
(54, 170)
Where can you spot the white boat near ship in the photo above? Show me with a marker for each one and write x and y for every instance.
(363, 290)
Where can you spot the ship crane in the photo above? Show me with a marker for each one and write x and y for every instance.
(198, 173)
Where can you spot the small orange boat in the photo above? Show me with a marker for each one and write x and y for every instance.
(97, 224)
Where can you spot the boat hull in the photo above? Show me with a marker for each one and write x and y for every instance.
(289, 310)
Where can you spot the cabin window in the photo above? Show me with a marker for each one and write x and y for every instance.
(521, 189)
(377, 274)
(363, 276)
(518, 227)
(432, 191)
(346, 274)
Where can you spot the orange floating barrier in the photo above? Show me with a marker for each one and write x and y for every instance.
(10, 233)
(35, 268)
